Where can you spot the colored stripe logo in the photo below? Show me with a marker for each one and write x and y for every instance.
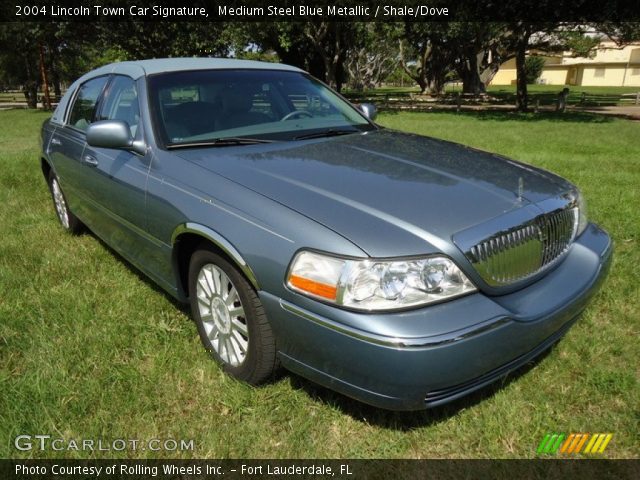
(574, 443)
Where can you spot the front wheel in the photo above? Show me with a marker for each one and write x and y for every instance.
(230, 318)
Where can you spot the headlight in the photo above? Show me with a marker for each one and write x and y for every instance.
(582, 213)
(372, 285)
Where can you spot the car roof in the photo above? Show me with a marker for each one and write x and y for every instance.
(139, 68)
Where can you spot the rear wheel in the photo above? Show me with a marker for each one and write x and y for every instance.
(67, 219)
(230, 318)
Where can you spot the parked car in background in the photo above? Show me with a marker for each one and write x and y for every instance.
(400, 270)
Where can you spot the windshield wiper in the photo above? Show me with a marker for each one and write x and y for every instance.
(332, 132)
(220, 142)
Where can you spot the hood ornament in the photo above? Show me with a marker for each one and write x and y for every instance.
(520, 189)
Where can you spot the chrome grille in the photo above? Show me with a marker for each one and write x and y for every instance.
(525, 250)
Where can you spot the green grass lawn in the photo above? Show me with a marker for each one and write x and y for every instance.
(89, 349)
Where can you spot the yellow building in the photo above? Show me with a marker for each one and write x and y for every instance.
(612, 66)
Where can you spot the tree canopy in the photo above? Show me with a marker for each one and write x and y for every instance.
(355, 53)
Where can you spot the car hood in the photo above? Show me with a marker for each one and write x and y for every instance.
(388, 192)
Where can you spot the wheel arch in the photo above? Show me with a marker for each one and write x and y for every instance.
(185, 240)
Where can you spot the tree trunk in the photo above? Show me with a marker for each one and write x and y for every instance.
(315, 67)
(487, 75)
(54, 78)
(57, 90)
(522, 97)
(30, 91)
(330, 72)
(318, 37)
(30, 86)
(420, 74)
(471, 82)
(46, 101)
(418, 77)
(340, 73)
(437, 85)
(422, 83)
(438, 78)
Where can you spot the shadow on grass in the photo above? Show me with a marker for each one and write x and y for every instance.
(407, 421)
(508, 115)
(183, 307)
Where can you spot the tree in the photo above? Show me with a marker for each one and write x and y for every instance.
(141, 40)
(376, 57)
(474, 50)
(66, 54)
(521, 33)
(425, 54)
(418, 70)
(19, 58)
(332, 41)
(621, 33)
(478, 49)
(289, 41)
(69, 52)
(545, 37)
(319, 47)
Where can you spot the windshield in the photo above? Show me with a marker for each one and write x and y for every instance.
(208, 105)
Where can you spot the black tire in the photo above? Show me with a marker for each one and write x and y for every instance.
(260, 360)
(67, 219)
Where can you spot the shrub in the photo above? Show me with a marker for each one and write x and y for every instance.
(533, 68)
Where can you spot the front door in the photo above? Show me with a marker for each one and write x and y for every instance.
(116, 179)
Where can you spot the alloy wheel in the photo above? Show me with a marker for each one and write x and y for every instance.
(222, 314)
(61, 205)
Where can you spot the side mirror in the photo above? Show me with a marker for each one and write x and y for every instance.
(113, 134)
(369, 110)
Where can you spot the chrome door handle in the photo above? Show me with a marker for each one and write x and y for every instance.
(55, 141)
(90, 160)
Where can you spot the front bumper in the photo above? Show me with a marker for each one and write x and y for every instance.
(430, 356)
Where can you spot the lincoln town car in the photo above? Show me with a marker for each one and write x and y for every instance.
(397, 269)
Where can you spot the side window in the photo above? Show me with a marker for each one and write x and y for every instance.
(85, 103)
(121, 103)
